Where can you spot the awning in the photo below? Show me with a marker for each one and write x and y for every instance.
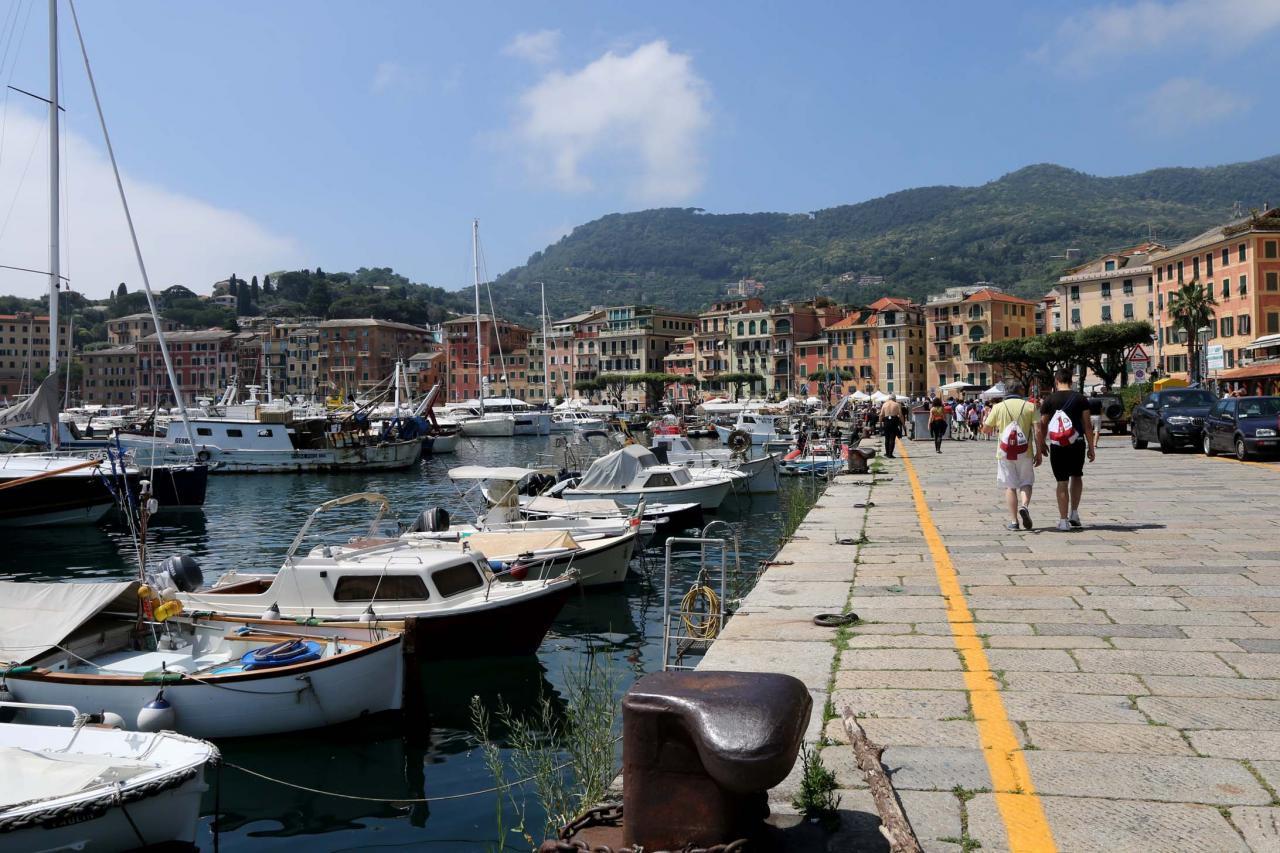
(1252, 371)
(484, 472)
(36, 617)
(501, 545)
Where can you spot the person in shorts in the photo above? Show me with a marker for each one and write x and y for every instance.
(1017, 474)
(1069, 446)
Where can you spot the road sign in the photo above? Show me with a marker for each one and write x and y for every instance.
(1216, 356)
(1138, 357)
(1139, 374)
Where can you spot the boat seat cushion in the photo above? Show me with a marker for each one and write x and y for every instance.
(746, 727)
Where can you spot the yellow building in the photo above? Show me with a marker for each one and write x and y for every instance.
(1115, 288)
(961, 320)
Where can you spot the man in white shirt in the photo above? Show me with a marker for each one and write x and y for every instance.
(961, 426)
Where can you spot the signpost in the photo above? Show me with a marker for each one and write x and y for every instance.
(1216, 357)
(1138, 360)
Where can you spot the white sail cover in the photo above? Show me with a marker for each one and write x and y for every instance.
(560, 506)
(36, 617)
(618, 469)
(40, 408)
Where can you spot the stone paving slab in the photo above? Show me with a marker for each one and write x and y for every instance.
(1138, 660)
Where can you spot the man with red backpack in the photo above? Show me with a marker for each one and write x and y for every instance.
(1066, 428)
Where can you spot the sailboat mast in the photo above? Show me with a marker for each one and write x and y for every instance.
(55, 254)
(475, 268)
(546, 370)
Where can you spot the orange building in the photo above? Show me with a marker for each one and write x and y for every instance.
(964, 318)
(1239, 265)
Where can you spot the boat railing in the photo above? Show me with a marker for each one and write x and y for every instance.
(370, 497)
(680, 634)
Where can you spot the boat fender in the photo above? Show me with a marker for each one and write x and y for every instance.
(497, 566)
(168, 610)
(272, 612)
(203, 456)
(795, 454)
(104, 719)
(184, 571)
(431, 520)
(519, 571)
(157, 715)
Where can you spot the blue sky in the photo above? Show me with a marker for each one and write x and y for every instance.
(259, 136)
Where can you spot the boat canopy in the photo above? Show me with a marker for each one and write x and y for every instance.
(560, 506)
(504, 544)
(485, 472)
(36, 617)
(618, 469)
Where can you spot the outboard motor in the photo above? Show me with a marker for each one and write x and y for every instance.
(432, 520)
(184, 572)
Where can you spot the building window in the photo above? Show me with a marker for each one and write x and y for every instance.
(1075, 316)
(1226, 257)
(1245, 324)
(1208, 264)
(1273, 323)
(1106, 290)
(1106, 313)
(1269, 249)
(1273, 281)
(1226, 288)
(1109, 265)
(1179, 270)
(1195, 267)
(1228, 326)
(1127, 287)
(1159, 273)
(1244, 285)
(1128, 310)
(1240, 253)
(1075, 293)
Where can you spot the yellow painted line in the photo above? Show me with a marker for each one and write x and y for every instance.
(1270, 466)
(1019, 805)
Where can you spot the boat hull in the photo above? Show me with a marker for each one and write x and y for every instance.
(437, 444)
(512, 630)
(756, 437)
(495, 428)
(388, 456)
(333, 691)
(55, 502)
(532, 423)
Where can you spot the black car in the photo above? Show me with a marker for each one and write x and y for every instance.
(1172, 418)
(1244, 426)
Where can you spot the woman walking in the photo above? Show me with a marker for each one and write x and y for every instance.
(937, 424)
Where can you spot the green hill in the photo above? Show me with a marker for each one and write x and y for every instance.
(921, 240)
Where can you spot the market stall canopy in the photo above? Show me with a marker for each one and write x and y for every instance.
(953, 386)
(860, 396)
(813, 401)
(997, 390)
(36, 617)
(879, 397)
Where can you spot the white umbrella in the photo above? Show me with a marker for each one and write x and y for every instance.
(879, 397)
(861, 396)
(953, 386)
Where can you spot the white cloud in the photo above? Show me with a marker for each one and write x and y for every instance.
(184, 240)
(540, 48)
(639, 117)
(1099, 35)
(1183, 103)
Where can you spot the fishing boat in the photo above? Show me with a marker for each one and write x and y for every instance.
(90, 786)
(441, 595)
(675, 449)
(215, 676)
(632, 474)
(817, 459)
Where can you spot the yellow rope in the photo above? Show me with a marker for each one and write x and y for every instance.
(704, 624)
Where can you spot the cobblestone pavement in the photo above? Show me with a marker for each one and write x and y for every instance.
(1122, 691)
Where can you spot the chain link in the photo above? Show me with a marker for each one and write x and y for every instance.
(611, 815)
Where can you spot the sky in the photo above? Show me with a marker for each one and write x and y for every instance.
(263, 136)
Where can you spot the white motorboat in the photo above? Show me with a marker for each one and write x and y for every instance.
(90, 786)
(817, 459)
(667, 519)
(762, 473)
(633, 474)
(573, 419)
(213, 676)
(759, 427)
(441, 595)
(477, 424)
(598, 561)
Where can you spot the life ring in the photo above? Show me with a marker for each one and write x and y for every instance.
(739, 440)
(203, 456)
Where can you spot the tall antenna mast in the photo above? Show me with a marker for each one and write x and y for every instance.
(475, 267)
(546, 370)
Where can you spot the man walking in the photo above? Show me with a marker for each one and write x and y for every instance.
(891, 424)
(1066, 428)
(960, 425)
(1017, 453)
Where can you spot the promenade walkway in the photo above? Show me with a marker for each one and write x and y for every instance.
(1111, 689)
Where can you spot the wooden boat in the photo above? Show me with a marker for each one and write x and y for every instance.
(93, 786)
(214, 677)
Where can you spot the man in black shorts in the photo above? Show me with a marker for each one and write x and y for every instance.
(1070, 439)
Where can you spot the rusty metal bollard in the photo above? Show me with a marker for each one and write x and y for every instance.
(700, 751)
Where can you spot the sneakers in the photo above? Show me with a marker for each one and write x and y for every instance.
(1025, 515)
(1073, 518)
(1064, 525)
(1013, 525)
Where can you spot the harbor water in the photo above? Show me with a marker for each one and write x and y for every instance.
(248, 522)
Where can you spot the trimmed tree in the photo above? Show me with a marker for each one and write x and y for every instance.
(1103, 348)
(655, 386)
(737, 380)
(1191, 307)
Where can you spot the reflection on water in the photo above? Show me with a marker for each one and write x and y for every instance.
(247, 524)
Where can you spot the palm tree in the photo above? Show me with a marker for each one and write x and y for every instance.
(1192, 307)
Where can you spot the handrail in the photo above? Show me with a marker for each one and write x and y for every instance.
(371, 497)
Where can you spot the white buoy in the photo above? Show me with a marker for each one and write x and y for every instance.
(272, 612)
(157, 715)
